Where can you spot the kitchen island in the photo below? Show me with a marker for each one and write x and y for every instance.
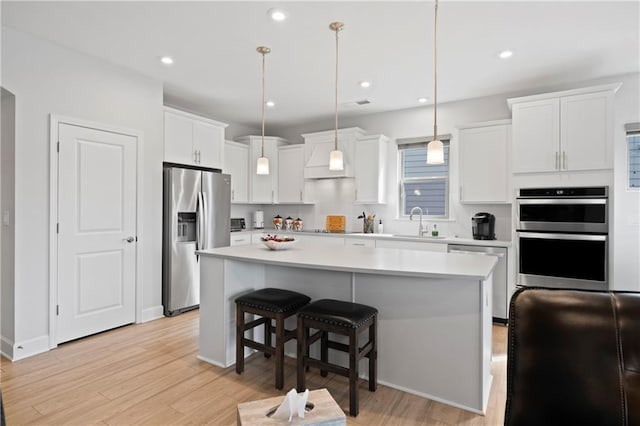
(434, 321)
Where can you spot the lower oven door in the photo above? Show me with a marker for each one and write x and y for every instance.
(556, 260)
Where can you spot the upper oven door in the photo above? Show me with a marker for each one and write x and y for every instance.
(563, 215)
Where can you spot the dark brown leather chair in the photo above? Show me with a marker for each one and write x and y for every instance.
(573, 358)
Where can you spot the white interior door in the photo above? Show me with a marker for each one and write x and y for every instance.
(97, 231)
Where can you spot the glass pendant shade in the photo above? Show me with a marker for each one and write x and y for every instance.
(435, 152)
(263, 166)
(336, 160)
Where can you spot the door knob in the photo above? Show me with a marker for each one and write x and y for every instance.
(129, 239)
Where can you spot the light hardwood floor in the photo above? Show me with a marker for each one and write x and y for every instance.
(148, 373)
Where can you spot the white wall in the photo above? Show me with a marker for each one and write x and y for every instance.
(7, 206)
(49, 79)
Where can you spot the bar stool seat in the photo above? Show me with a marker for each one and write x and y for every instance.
(270, 304)
(343, 318)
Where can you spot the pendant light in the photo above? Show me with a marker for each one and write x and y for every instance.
(435, 148)
(336, 159)
(262, 167)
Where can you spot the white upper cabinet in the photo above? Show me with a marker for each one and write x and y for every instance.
(485, 158)
(371, 169)
(291, 174)
(236, 163)
(190, 139)
(263, 189)
(564, 131)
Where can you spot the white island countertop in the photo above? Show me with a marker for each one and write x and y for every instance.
(385, 261)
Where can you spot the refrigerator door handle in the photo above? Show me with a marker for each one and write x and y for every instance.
(199, 221)
(205, 226)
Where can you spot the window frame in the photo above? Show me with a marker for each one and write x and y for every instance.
(421, 143)
(631, 130)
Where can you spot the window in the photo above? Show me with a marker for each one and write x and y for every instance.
(633, 155)
(423, 185)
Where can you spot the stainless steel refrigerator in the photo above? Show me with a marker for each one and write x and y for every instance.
(196, 216)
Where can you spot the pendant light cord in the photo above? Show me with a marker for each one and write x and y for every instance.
(336, 93)
(263, 62)
(435, 73)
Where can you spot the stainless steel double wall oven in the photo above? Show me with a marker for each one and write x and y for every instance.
(562, 237)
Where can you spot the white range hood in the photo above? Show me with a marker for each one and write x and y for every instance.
(318, 147)
(318, 165)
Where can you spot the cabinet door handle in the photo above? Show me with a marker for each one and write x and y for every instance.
(564, 160)
(461, 193)
(233, 194)
(300, 195)
(195, 156)
(272, 196)
(357, 244)
(557, 160)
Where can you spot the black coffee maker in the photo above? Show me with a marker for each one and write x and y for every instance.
(483, 226)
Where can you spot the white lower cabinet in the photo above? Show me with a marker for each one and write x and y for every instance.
(320, 239)
(240, 238)
(360, 242)
(412, 245)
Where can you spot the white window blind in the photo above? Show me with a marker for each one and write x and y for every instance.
(423, 185)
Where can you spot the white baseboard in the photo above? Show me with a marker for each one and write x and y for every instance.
(27, 348)
(153, 313)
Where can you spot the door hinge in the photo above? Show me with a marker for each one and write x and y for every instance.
(57, 309)
(57, 228)
(58, 147)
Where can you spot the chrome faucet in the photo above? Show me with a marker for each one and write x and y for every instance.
(420, 228)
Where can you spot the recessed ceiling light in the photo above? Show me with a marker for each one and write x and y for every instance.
(365, 84)
(277, 15)
(422, 100)
(270, 104)
(167, 60)
(505, 54)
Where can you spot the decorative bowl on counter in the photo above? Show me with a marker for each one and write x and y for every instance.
(278, 243)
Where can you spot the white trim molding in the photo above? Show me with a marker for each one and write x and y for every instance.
(153, 313)
(20, 350)
(54, 122)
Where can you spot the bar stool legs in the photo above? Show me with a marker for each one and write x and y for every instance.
(359, 318)
(271, 304)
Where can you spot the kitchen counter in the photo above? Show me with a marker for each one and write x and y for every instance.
(396, 237)
(434, 320)
(385, 261)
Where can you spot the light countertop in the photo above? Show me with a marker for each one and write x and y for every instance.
(426, 239)
(385, 261)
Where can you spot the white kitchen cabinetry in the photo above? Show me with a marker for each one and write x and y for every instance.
(564, 131)
(190, 139)
(240, 238)
(360, 242)
(411, 245)
(236, 163)
(263, 189)
(371, 169)
(291, 174)
(485, 153)
(322, 239)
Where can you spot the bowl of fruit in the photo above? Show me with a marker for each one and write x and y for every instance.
(275, 242)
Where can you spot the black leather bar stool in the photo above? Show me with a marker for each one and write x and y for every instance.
(344, 318)
(270, 304)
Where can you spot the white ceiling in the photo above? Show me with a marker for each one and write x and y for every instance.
(217, 69)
